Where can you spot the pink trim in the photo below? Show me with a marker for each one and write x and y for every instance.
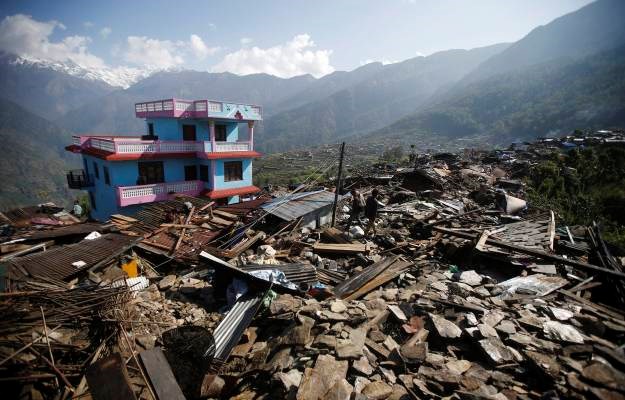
(130, 195)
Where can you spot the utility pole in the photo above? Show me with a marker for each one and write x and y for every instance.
(339, 185)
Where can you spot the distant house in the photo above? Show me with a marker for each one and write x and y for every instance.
(197, 148)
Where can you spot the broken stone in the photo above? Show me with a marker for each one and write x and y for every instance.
(487, 331)
(471, 278)
(359, 383)
(318, 380)
(496, 350)
(284, 304)
(445, 328)
(167, 282)
(458, 367)
(363, 366)
(341, 390)
(414, 353)
(561, 314)
(506, 326)
(563, 332)
(290, 380)
(377, 390)
(338, 306)
(351, 348)
(604, 375)
(492, 318)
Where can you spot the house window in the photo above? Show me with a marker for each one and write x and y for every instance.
(150, 129)
(107, 178)
(190, 173)
(96, 171)
(204, 173)
(188, 132)
(86, 166)
(150, 172)
(220, 133)
(233, 171)
(92, 200)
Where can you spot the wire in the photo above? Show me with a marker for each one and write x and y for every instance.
(275, 207)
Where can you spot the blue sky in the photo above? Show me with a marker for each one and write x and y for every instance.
(284, 38)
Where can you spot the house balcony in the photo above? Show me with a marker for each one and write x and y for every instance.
(128, 148)
(140, 194)
(78, 179)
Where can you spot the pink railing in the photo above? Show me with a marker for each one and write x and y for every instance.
(123, 145)
(129, 195)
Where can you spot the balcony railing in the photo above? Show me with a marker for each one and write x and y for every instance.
(197, 109)
(122, 145)
(129, 195)
(78, 179)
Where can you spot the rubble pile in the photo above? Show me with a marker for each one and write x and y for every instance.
(463, 290)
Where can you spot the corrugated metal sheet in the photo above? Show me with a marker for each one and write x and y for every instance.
(296, 273)
(57, 263)
(296, 205)
(64, 231)
(229, 331)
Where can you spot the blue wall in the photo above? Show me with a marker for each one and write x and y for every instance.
(105, 195)
(171, 128)
(219, 174)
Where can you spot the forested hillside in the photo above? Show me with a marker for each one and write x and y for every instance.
(34, 162)
(558, 96)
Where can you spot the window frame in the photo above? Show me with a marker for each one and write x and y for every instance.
(107, 176)
(229, 174)
(187, 168)
(204, 173)
(96, 170)
(220, 131)
(188, 126)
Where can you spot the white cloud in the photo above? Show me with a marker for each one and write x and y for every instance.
(245, 41)
(199, 48)
(155, 53)
(419, 54)
(22, 35)
(87, 24)
(286, 60)
(105, 32)
(142, 50)
(212, 27)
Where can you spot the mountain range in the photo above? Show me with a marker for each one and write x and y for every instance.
(564, 75)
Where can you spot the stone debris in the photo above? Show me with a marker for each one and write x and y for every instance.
(451, 297)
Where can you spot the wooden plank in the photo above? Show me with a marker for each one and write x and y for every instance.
(160, 374)
(357, 281)
(220, 221)
(108, 379)
(123, 218)
(393, 271)
(340, 248)
(226, 215)
(189, 226)
(335, 236)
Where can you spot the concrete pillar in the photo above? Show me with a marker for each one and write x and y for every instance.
(211, 129)
(250, 126)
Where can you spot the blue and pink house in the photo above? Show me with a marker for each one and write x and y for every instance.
(196, 148)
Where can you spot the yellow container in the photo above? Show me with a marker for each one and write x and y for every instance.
(131, 268)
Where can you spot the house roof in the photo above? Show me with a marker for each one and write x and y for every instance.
(296, 205)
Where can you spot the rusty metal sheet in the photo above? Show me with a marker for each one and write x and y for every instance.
(57, 262)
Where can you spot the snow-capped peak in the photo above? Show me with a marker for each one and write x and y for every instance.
(122, 77)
